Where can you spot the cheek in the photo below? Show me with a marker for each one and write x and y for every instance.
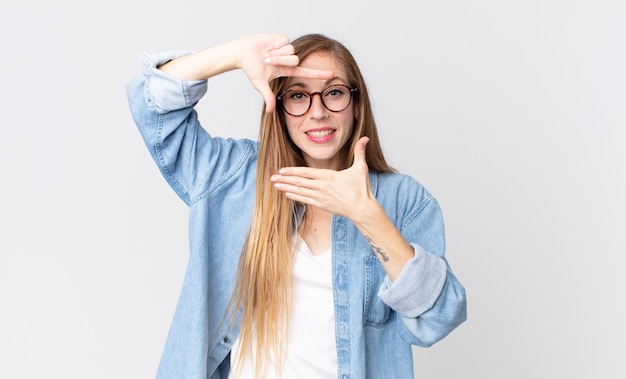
(350, 116)
(292, 127)
(349, 123)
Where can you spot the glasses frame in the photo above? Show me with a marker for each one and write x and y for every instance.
(311, 94)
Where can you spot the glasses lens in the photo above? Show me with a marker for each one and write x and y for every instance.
(296, 102)
(336, 98)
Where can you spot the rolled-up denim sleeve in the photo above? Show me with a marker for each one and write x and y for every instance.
(190, 159)
(164, 92)
(418, 286)
(427, 294)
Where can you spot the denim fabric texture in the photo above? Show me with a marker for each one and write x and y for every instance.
(377, 322)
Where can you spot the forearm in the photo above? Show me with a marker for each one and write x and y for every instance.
(205, 63)
(385, 239)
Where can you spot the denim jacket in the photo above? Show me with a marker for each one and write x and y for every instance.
(377, 321)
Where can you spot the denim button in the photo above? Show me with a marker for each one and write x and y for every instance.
(226, 339)
(340, 234)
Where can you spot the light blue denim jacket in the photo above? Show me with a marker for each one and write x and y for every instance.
(376, 321)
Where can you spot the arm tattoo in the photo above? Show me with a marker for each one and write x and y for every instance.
(383, 256)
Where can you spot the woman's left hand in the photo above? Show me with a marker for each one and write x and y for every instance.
(346, 193)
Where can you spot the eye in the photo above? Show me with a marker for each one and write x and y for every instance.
(334, 92)
(297, 96)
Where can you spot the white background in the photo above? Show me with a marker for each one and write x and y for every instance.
(512, 113)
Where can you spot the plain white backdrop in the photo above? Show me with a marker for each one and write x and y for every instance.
(512, 113)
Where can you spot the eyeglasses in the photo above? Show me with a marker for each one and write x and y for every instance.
(335, 98)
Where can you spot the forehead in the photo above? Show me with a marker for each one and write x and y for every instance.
(320, 61)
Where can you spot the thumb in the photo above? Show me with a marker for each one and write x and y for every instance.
(359, 150)
(270, 102)
(267, 94)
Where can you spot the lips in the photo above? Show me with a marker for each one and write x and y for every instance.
(320, 133)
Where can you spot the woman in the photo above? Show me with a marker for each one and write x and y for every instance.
(310, 256)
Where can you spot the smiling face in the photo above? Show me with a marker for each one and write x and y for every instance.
(321, 134)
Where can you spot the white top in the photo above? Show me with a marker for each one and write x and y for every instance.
(311, 349)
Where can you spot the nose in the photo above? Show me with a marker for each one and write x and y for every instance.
(317, 110)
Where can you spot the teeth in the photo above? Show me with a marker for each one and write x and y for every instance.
(319, 133)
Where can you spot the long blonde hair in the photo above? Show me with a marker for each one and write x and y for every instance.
(264, 282)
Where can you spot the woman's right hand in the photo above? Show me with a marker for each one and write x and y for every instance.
(268, 56)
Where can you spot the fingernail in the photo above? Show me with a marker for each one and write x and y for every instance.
(268, 60)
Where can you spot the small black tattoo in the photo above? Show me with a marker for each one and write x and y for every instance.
(383, 256)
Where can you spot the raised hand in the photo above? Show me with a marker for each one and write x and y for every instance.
(346, 193)
(262, 57)
(269, 56)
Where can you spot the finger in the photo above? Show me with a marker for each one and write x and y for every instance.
(287, 49)
(292, 181)
(288, 66)
(302, 172)
(297, 73)
(283, 60)
(278, 41)
(311, 73)
(270, 102)
(298, 193)
(301, 199)
(359, 150)
(292, 188)
(267, 94)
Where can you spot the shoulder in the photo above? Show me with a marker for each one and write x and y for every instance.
(401, 194)
(398, 184)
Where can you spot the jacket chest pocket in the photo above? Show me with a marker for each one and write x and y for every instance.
(375, 312)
